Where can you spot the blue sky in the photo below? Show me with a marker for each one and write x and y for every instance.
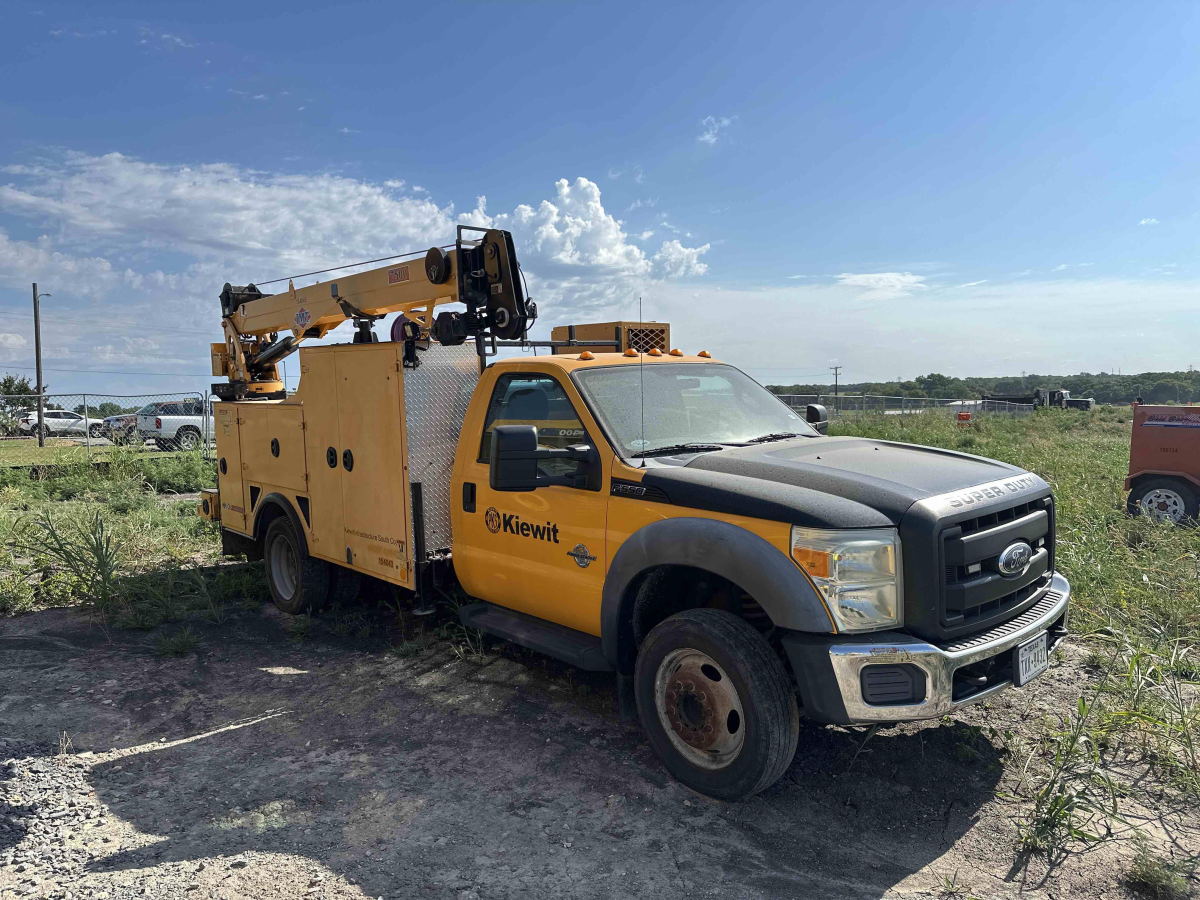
(898, 188)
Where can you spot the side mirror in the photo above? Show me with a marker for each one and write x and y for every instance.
(817, 417)
(515, 456)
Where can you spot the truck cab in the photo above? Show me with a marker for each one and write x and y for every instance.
(663, 517)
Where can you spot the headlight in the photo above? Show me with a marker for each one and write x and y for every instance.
(857, 572)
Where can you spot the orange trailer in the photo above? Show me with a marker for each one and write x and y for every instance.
(1164, 463)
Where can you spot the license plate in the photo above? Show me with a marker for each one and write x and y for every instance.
(1033, 658)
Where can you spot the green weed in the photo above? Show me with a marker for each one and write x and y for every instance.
(180, 643)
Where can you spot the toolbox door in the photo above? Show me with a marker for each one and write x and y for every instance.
(229, 468)
(372, 462)
(322, 444)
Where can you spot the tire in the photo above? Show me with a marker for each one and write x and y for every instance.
(96, 431)
(747, 695)
(1164, 500)
(187, 439)
(344, 585)
(299, 583)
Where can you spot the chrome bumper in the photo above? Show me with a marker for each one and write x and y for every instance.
(940, 663)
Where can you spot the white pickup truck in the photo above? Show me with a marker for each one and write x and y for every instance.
(178, 424)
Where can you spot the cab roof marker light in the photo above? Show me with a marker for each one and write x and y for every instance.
(704, 354)
(631, 352)
(586, 354)
(676, 352)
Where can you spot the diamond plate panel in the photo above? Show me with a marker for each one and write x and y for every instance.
(436, 396)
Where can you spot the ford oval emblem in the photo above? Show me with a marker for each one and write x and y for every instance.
(1015, 559)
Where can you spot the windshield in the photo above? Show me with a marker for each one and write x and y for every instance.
(685, 403)
(147, 409)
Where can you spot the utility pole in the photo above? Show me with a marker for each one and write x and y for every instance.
(37, 352)
(836, 370)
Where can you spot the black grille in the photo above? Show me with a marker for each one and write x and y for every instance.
(973, 592)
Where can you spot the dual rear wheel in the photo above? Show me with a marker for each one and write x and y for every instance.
(301, 583)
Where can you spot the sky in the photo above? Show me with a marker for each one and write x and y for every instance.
(893, 188)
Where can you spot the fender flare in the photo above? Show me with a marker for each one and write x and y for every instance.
(749, 561)
(277, 499)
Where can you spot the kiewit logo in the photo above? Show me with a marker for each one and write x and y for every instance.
(510, 523)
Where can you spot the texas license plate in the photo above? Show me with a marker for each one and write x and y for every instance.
(1033, 658)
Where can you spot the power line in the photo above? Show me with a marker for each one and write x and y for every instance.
(106, 372)
(110, 326)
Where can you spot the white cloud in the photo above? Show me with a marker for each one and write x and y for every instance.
(802, 276)
(1061, 267)
(347, 130)
(973, 283)
(12, 341)
(1149, 222)
(712, 128)
(884, 284)
(419, 190)
(677, 261)
(111, 215)
(645, 235)
(261, 97)
(639, 203)
(302, 109)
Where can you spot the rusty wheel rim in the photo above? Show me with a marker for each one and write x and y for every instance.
(699, 708)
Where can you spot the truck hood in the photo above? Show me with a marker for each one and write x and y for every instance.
(830, 482)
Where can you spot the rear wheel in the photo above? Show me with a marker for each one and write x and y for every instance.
(299, 583)
(716, 703)
(1164, 500)
(96, 431)
(187, 439)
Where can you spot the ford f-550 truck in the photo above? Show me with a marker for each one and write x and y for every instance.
(657, 515)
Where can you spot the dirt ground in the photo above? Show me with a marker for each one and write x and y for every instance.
(263, 767)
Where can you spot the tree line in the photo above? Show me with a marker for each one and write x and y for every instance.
(1152, 387)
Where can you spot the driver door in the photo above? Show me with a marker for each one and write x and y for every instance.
(540, 552)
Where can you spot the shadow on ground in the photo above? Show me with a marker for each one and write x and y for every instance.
(436, 773)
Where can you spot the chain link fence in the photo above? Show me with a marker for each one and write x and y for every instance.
(874, 404)
(87, 427)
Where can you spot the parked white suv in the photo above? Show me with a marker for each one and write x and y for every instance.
(178, 424)
(61, 421)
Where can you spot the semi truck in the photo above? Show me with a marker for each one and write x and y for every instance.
(651, 513)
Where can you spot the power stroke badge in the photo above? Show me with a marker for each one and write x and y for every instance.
(582, 558)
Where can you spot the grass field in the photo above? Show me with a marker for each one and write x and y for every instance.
(17, 452)
(118, 543)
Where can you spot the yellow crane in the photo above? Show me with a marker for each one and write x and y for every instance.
(262, 329)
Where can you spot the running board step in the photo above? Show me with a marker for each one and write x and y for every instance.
(571, 646)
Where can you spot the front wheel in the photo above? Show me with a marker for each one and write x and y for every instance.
(716, 703)
(1164, 500)
(96, 431)
(299, 583)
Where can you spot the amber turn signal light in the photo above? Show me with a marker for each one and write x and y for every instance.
(814, 562)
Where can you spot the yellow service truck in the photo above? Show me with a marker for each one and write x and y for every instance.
(631, 509)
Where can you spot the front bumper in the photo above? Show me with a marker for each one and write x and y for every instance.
(829, 669)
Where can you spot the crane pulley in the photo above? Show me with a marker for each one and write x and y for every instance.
(482, 274)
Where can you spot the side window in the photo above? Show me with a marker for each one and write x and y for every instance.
(538, 400)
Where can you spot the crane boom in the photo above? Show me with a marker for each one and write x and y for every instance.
(261, 329)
